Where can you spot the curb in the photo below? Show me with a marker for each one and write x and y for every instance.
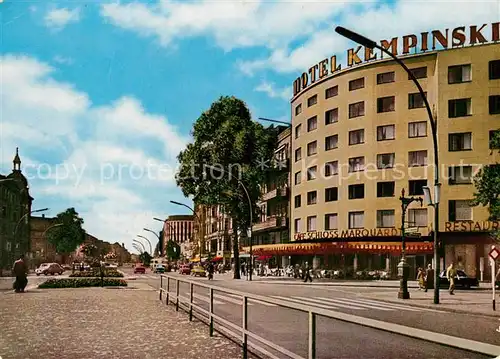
(359, 285)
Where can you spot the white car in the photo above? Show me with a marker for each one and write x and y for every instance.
(49, 268)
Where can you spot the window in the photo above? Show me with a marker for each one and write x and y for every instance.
(298, 109)
(385, 218)
(313, 100)
(298, 177)
(356, 84)
(356, 191)
(356, 137)
(459, 107)
(356, 219)
(460, 141)
(417, 129)
(419, 73)
(331, 142)
(312, 124)
(386, 132)
(297, 225)
(298, 129)
(311, 224)
(312, 197)
(386, 104)
(331, 221)
(494, 139)
(494, 70)
(458, 74)
(331, 91)
(415, 100)
(494, 102)
(417, 217)
(312, 148)
(385, 189)
(331, 194)
(417, 158)
(311, 173)
(385, 77)
(331, 168)
(357, 109)
(331, 116)
(356, 164)
(459, 210)
(298, 201)
(298, 154)
(417, 187)
(460, 174)
(385, 160)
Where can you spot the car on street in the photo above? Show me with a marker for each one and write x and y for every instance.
(199, 271)
(185, 269)
(160, 268)
(139, 268)
(462, 280)
(49, 268)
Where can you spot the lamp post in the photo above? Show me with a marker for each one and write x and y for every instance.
(136, 247)
(360, 39)
(172, 233)
(197, 218)
(147, 240)
(151, 231)
(250, 270)
(142, 245)
(403, 267)
(23, 217)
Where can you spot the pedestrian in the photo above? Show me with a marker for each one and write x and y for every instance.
(451, 273)
(421, 279)
(243, 270)
(210, 270)
(429, 277)
(20, 271)
(307, 274)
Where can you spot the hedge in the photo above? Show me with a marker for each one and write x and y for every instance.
(82, 282)
(112, 273)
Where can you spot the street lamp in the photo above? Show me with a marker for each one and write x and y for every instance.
(403, 267)
(147, 240)
(360, 39)
(197, 218)
(27, 214)
(135, 241)
(136, 247)
(171, 230)
(151, 231)
(251, 219)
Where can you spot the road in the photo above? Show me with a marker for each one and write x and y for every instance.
(336, 339)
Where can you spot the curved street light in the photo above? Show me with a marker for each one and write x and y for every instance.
(198, 219)
(368, 43)
(136, 247)
(147, 240)
(142, 245)
(172, 236)
(25, 215)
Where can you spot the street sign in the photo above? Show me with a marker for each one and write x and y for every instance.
(411, 230)
(413, 235)
(494, 253)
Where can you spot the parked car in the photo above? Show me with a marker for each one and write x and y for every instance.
(198, 271)
(160, 268)
(462, 280)
(49, 268)
(185, 269)
(139, 268)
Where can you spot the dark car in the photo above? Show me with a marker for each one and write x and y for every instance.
(139, 269)
(462, 280)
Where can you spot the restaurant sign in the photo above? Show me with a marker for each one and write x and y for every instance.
(349, 233)
(470, 226)
(425, 41)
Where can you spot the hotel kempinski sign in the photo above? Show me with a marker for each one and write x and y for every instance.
(425, 41)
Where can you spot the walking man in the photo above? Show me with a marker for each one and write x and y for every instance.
(20, 270)
(451, 273)
(307, 274)
(429, 277)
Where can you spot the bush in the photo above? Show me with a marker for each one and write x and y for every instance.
(82, 282)
(110, 273)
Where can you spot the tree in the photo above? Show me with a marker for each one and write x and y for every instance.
(226, 137)
(67, 237)
(145, 258)
(173, 250)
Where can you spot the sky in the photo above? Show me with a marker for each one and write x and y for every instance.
(100, 96)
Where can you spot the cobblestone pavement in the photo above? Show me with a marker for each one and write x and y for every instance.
(102, 323)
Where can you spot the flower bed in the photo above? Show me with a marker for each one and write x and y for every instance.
(82, 282)
(110, 273)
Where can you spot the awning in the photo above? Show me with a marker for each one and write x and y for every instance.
(342, 247)
(263, 258)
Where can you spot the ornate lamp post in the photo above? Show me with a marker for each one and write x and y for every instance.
(403, 267)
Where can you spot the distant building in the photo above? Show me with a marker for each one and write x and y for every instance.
(178, 228)
(41, 250)
(15, 207)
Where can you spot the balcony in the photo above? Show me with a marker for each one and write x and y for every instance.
(270, 223)
(277, 192)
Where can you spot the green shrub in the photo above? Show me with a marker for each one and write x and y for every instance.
(110, 273)
(82, 282)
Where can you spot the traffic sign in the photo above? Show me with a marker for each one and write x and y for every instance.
(494, 253)
(411, 230)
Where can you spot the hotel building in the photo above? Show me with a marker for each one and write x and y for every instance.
(178, 228)
(362, 135)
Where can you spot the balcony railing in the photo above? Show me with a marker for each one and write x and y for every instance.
(277, 192)
(270, 223)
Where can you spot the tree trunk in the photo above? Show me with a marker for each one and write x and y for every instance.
(236, 255)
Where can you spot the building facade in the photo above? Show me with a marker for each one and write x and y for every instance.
(217, 232)
(180, 229)
(15, 209)
(41, 250)
(361, 135)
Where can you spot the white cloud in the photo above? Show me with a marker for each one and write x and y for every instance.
(270, 89)
(108, 171)
(59, 18)
(63, 60)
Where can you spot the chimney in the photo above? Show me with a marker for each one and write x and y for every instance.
(43, 215)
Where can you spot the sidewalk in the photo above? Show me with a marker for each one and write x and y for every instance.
(469, 302)
(102, 323)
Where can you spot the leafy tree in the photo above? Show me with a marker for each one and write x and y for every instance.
(67, 237)
(226, 137)
(145, 258)
(173, 250)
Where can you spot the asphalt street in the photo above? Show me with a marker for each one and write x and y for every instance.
(337, 339)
